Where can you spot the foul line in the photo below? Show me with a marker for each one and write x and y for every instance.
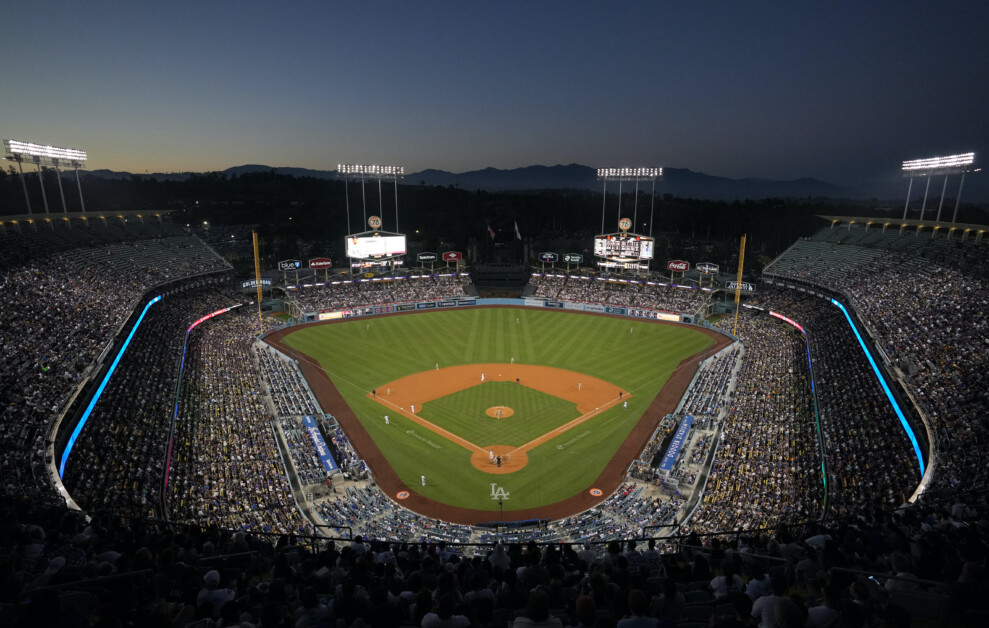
(553, 433)
(463, 442)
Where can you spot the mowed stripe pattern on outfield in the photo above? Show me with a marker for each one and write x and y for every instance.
(366, 354)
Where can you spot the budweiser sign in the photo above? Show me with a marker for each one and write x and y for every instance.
(677, 265)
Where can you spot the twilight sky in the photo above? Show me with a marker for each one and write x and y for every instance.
(840, 91)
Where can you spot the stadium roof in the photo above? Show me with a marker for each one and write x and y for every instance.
(28, 218)
(882, 221)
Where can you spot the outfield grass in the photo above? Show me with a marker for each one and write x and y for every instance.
(364, 354)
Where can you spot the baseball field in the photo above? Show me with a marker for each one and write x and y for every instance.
(530, 408)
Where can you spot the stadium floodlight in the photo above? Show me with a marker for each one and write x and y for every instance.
(42, 154)
(629, 174)
(930, 166)
(938, 165)
(370, 170)
(29, 151)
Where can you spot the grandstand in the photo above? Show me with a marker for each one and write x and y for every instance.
(195, 477)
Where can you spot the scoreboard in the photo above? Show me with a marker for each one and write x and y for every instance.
(624, 247)
(376, 246)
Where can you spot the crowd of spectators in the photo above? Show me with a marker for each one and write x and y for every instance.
(58, 314)
(869, 457)
(711, 390)
(931, 318)
(925, 562)
(55, 320)
(935, 324)
(351, 293)
(305, 461)
(615, 291)
(767, 470)
(288, 393)
(117, 460)
(226, 469)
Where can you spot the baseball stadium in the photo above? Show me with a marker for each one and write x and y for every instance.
(533, 439)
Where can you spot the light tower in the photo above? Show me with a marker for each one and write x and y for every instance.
(39, 155)
(363, 172)
(629, 174)
(932, 166)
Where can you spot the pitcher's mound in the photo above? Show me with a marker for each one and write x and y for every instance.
(499, 412)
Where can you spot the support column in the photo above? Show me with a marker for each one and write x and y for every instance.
(941, 204)
(20, 166)
(61, 192)
(958, 200)
(652, 205)
(82, 205)
(41, 180)
(923, 209)
(905, 206)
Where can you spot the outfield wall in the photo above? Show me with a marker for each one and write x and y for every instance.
(426, 306)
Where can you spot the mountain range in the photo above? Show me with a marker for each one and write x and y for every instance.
(679, 182)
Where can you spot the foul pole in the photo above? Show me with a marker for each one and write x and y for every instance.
(738, 283)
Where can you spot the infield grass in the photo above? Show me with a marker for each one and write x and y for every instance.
(534, 413)
(364, 354)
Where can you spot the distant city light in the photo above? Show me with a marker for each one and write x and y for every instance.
(645, 173)
(18, 150)
(939, 163)
(371, 170)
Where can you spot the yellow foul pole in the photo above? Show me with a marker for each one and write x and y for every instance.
(738, 282)
(257, 278)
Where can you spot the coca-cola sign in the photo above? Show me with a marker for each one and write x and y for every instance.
(678, 265)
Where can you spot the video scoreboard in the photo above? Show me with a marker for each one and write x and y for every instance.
(624, 247)
(375, 246)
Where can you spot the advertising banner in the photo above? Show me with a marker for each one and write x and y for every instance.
(253, 283)
(744, 286)
(548, 258)
(289, 264)
(678, 265)
(676, 444)
(453, 256)
(329, 464)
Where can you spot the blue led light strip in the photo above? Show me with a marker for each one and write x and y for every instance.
(99, 391)
(889, 393)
